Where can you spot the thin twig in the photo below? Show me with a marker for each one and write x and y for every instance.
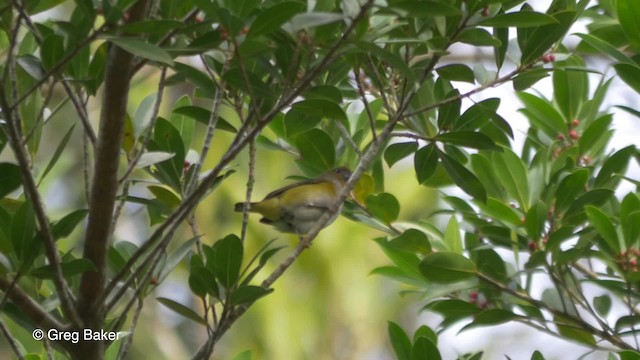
(250, 182)
(13, 343)
(363, 97)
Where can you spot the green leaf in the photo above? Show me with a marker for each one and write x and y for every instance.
(165, 196)
(630, 74)
(167, 139)
(201, 80)
(535, 220)
(512, 173)
(141, 49)
(159, 26)
(544, 37)
(10, 178)
(570, 188)
(398, 151)
(182, 310)
(452, 236)
(176, 257)
(57, 153)
(297, 121)
(602, 305)
(478, 37)
(69, 268)
(185, 126)
(542, 115)
(605, 48)
(317, 150)
(603, 225)
(322, 108)
(519, 20)
(423, 348)
(202, 116)
(529, 77)
(470, 139)
(23, 229)
(425, 162)
(573, 331)
(500, 211)
(153, 157)
(454, 309)
(65, 226)
(384, 206)
(491, 317)
(629, 355)
(412, 241)
(446, 267)
(456, 72)
(274, 17)
(425, 9)
(248, 294)
(464, 178)
(628, 12)
(202, 281)
(570, 87)
(228, 260)
(313, 19)
(594, 134)
(614, 167)
(52, 51)
(399, 341)
(245, 355)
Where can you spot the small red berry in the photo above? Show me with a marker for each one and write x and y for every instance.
(153, 281)
(473, 296)
(548, 58)
(560, 137)
(198, 19)
(575, 122)
(485, 11)
(533, 246)
(573, 134)
(244, 31)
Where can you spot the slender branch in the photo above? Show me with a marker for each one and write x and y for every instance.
(124, 348)
(612, 338)
(250, 181)
(363, 97)
(29, 307)
(13, 343)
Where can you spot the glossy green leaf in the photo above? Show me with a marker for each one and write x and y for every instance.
(160, 26)
(398, 151)
(384, 206)
(23, 229)
(628, 12)
(274, 17)
(297, 121)
(317, 150)
(399, 341)
(197, 78)
(542, 115)
(529, 77)
(573, 331)
(202, 116)
(202, 281)
(182, 310)
(425, 162)
(464, 178)
(63, 227)
(446, 267)
(69, 268)
(535, 220)
(570, 87)
(141, 49)
(491, 317)
(422, 9)
(478, 37)
(248, 294)
(605, 47)
(10, 178)
(309, 20)
(604, 226)
(452, 238)
(500, 211)
(57, 153)
(470, 139)
(52, 51)
(630, 74)
(412, 241)
(594, 134)
(602, 305)
(544, 37)
(424, 348)
(456, 72)
(614, 166)
(570, 188)
(519, 20)
(228, 260)
(512, 173)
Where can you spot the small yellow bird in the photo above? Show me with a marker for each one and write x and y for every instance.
(297, 207)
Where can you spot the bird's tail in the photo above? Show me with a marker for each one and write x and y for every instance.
(239, 206)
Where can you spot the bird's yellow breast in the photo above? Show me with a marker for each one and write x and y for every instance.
(321, 194)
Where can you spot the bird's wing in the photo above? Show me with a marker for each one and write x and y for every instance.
(280, 191)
